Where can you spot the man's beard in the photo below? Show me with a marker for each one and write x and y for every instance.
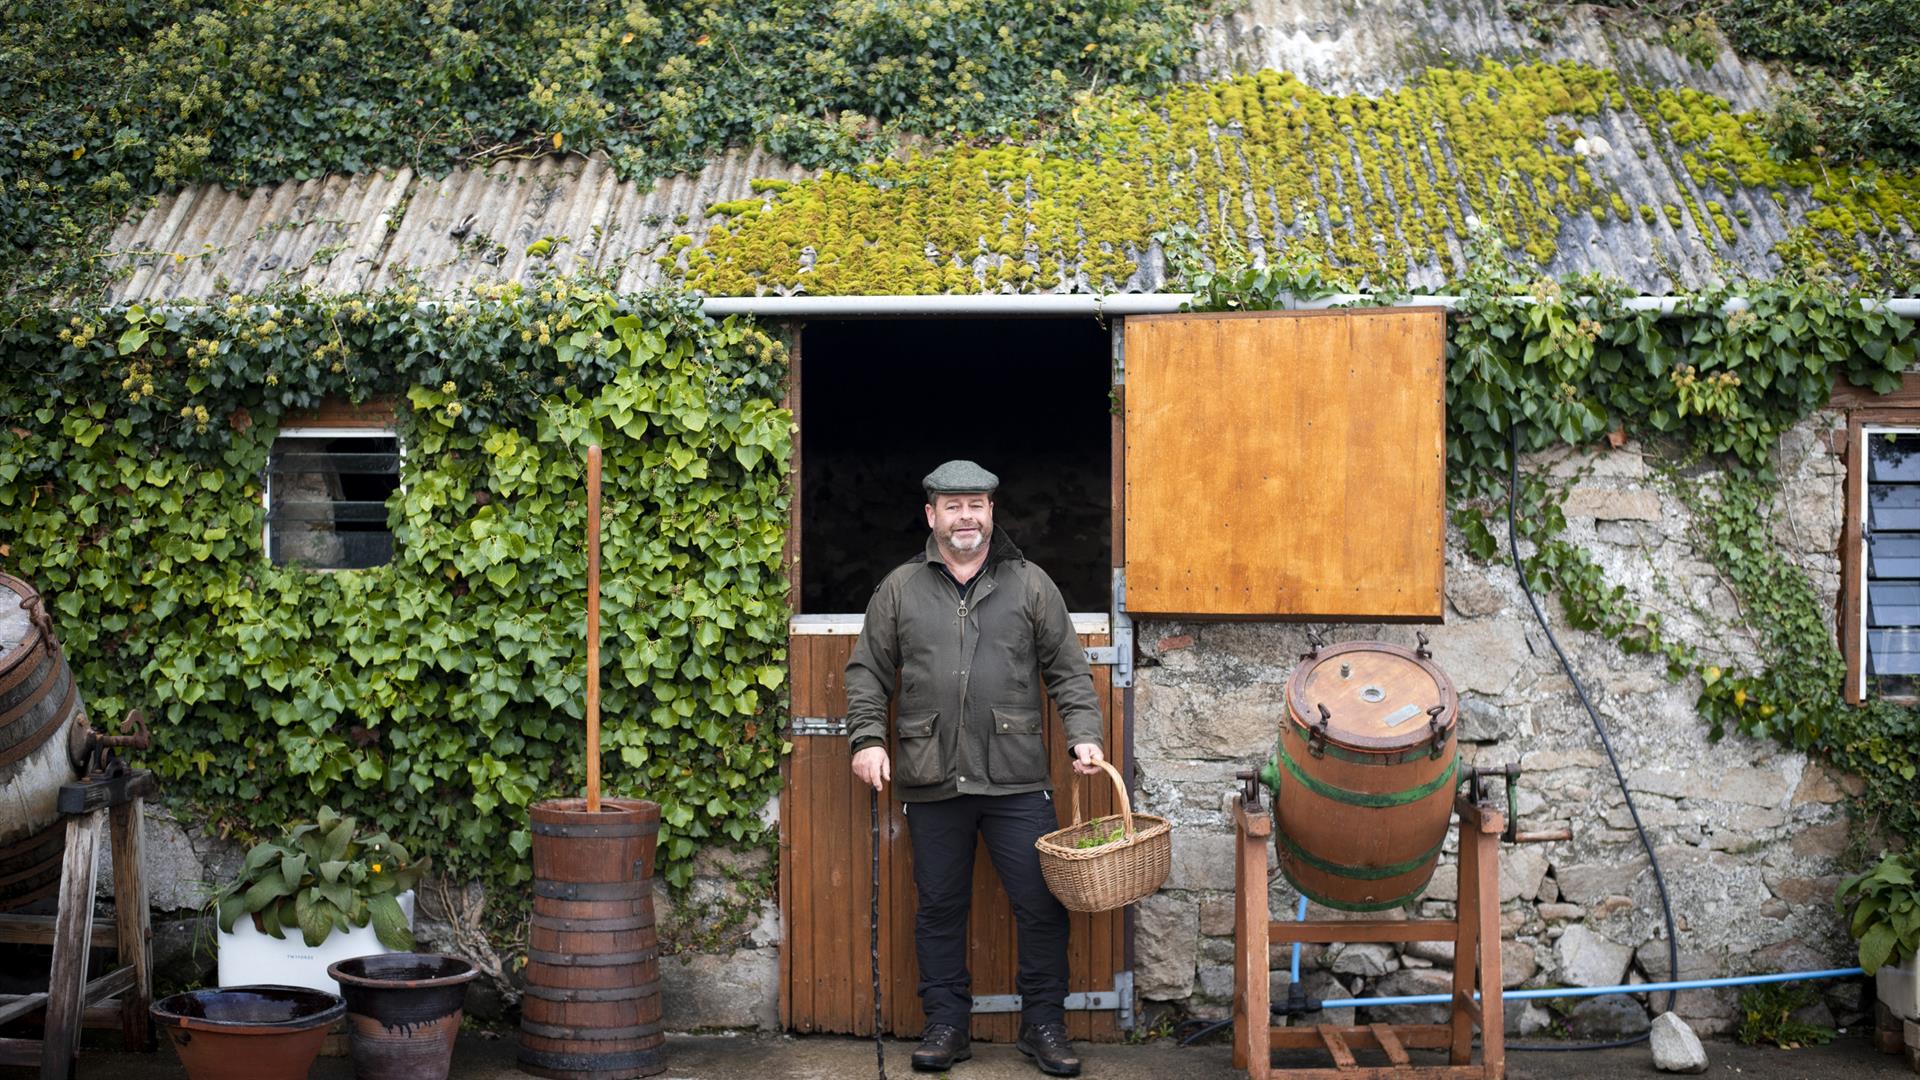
(970, 543)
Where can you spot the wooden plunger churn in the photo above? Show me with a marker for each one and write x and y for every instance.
(1366, 783)
(592, 1005)
(1366, 767)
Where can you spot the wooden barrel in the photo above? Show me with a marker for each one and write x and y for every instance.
(41, 721)
(591, 1009)
(1367, 772)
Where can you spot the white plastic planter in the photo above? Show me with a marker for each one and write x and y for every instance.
(249, 957)
(1899, 988)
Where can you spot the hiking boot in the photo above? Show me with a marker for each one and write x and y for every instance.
(1047, 1045)
(940, 1046)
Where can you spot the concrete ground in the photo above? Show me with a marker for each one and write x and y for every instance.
(487, 1055)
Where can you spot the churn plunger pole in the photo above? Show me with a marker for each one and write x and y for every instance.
(593, 628)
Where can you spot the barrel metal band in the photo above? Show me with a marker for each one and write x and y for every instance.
(1360, 873)
(609, 830)
(592, 890)
(584, 926)
(1374, 799)
(33, 741)
(593, 993)
(587, 1034)
(1345, 905)
(591, 1063)
(612, 959)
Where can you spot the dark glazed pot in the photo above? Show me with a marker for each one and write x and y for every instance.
(248, 1032)
(403, 1013)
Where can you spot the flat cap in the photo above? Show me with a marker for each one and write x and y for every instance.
(957, 476)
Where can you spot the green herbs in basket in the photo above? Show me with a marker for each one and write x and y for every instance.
(1099, 839)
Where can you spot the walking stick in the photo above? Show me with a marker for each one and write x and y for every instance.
(873, 929)
(593, 628)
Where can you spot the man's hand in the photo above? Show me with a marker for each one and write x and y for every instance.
(872, 767)
(1084, 756)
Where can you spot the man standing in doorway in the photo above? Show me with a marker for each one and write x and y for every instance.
(967, 624)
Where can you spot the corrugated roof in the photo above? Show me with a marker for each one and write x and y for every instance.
(370, 231)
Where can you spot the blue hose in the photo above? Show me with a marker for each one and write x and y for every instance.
(1595, 991)
(1300, 915)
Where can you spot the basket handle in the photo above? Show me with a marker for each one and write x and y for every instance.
(1119, 790)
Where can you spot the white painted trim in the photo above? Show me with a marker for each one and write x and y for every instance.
(1084, 622)
(1070, 305)
(1859, 477)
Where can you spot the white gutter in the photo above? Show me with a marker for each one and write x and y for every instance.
(1070, 305)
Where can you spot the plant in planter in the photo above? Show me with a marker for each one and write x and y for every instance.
(1886, 922)
(341, 894)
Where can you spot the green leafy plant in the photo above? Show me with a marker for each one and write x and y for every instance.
(1886, 911)
(324, 876)
(1766, 1017)
(1100, 839)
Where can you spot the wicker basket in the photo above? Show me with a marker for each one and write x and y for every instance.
(1114, 874)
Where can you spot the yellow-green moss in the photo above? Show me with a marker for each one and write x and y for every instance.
(1267, 156)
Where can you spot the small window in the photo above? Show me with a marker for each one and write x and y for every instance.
(1889, 562)
(326, 498)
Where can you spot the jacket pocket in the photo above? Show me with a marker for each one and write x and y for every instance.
(1017, 752)
(919, 762)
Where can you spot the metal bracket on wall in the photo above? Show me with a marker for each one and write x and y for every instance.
(1119, 352)
(1119, 1000)
(818, 725)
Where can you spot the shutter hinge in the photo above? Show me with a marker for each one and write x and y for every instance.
(818, 725)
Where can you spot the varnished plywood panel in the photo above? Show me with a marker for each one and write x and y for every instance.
(1287, 465)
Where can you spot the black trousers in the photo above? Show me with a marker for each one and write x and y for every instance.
(942, 834)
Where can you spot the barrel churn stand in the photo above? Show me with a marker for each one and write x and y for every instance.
(66, 793)
(1365, 778)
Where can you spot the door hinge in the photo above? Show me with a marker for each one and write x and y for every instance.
(1122, 631)
(1118, 1000)
(818, 725)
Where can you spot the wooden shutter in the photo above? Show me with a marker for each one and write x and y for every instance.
(1287, 465)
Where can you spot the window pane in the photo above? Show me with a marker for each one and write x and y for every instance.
(1893, 456)
(1893, 507)
(1893, 603)
(1893, 652)
(1893, 555)
(327, 500)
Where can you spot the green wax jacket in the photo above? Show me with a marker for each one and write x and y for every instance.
(970, 676)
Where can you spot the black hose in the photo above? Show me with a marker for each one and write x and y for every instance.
(1653, 860)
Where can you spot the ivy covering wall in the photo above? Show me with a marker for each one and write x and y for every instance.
(439, 694)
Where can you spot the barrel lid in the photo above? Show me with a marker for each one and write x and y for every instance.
(17, 631)
(1377, 696)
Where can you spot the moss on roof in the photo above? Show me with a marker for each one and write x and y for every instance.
(1375, 185)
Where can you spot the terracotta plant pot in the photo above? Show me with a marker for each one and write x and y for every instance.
(403, 1013)
(248, 1032)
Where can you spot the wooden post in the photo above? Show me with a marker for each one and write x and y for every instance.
(593, 628)
(1466, 939)
(1493, 1035)
(1253, 1047)
(129, 824)
(72, 937)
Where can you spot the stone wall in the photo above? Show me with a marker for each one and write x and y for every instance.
(1748, 833)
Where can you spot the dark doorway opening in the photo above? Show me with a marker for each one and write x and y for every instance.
(884, 401)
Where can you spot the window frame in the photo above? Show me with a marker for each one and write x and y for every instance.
(368, 429)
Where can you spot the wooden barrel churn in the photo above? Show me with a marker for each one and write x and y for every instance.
(1367, 768)
(42, 729)
(591, 1010)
